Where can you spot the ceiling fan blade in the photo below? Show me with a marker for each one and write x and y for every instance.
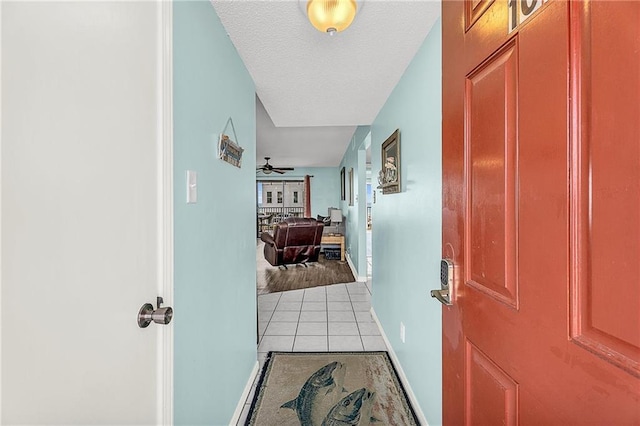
(268, 168)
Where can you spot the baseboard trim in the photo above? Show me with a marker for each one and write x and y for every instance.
(358, 278)
(245, 394)
(403, 377)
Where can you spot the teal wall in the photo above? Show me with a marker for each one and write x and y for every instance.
(355, 157)
(406, 232)
(325, 186)
(215, 281)
(407, 226)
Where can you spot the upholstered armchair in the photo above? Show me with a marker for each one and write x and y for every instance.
(295, 240)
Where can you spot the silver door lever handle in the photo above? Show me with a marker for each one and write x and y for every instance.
(442, 296)
(161, 315)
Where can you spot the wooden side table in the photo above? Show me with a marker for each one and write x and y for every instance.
(334, 239)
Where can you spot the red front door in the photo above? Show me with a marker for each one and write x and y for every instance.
(541, 214)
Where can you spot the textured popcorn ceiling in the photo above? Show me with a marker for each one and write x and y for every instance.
(316, 88)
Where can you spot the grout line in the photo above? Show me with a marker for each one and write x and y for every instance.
(326, 314)
(361, 341)
(356, 321)
(358, 325)
(269, 321)
(351, 302)
(295, 334)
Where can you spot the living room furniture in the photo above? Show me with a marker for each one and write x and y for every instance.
(264, 222)
(336, 216)
(294, 240)
(333, 226)
(328, 239)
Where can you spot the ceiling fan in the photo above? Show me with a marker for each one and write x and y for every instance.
(268, 168)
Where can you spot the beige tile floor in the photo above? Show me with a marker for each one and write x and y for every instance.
(328, 318)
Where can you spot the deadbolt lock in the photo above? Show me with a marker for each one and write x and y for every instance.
(446, 283)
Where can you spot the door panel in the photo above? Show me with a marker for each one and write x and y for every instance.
(606, 219)
(491, 395)
(80, 239)
(490, 146)
(541, 166)
(474, 9)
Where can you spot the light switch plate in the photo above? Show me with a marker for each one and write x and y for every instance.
(192, 187)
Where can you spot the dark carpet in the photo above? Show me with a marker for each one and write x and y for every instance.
(271, 279)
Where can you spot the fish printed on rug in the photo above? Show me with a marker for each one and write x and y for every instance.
(319, 393)
(352, 410)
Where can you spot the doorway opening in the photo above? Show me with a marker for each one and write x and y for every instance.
(276, 201)
(369, 224)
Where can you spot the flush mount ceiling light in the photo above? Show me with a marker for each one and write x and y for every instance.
(331, 16)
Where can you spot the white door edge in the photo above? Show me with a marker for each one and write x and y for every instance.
(165, 207)
(0, 211)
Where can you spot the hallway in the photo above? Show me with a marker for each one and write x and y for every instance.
(327, 318)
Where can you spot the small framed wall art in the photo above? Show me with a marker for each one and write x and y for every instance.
(390, 174)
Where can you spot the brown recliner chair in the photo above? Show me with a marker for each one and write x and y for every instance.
(295, 240)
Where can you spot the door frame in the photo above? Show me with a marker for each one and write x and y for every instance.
(164, 90)
(165, 206)
(0, 210)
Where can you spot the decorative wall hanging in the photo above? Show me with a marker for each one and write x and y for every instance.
(389, 177)
(228, 149)
(343, 191)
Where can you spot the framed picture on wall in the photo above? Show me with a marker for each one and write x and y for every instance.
(351, 186)
(390, 174)
(343, 195)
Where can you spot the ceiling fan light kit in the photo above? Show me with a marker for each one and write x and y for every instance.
(267, 168)
(331, 16)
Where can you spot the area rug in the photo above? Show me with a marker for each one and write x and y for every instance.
(329, 389)
(271, 279)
